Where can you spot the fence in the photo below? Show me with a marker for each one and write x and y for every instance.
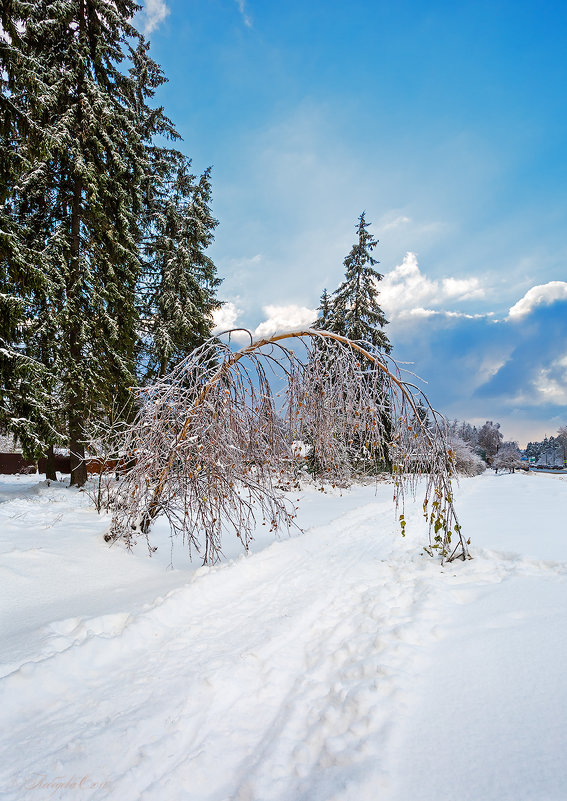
(14, 463)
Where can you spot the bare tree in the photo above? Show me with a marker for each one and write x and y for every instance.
(490, 439)
(210, 446)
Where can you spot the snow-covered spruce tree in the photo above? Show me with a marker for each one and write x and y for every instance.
(323, 321)
(534, 450)
(562, 443)
(467, 432)
(210, 452)
(179, 279)
(355, 310)
(12, 265)
(28, 395)
(76, 198)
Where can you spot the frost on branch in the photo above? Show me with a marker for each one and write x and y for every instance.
(465, 461)
(213, 443)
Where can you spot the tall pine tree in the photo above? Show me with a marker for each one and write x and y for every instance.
(179, 280)
(27, 392)
(355, 310)
(323, 321)
(78, 131)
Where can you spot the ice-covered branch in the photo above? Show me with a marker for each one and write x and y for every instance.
(213, 444)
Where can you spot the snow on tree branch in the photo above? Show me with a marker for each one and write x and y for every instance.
(212, 445)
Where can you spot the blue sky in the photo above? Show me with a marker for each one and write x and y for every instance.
(446, 122)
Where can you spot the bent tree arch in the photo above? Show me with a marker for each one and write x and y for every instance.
(214, 446)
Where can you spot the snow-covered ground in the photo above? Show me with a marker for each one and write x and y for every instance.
(338, 664)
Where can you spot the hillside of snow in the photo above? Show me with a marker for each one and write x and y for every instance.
(338, 664)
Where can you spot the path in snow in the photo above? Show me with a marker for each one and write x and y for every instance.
(340, 664)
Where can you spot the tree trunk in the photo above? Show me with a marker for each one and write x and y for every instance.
(50, 471)
(75, 394)
(387, 423)
(77, 449)
(75, 391)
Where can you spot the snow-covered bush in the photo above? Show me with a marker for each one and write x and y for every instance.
(465, 461)
(209, 450)
(103, 441)
(508, 458)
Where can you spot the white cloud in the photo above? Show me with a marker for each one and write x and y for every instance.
(225, 318)
(419, 311)
(490, 363)
(154, 13)
(407, 290)
(245, 16)
(279, 319)
(551, 383)
(461, 288)
(243, 268)
(540, 295)
(285, 318)
(401, 220)
(465, 316)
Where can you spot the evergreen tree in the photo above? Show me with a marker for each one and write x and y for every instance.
(356, 313)
(353, 312)
(80, 165)
(179, 283)
(532, 450)
(468, 433)
(27, 402)
(423, 413)
(323, 321)
(562, 443)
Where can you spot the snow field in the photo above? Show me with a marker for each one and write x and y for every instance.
(337, 664)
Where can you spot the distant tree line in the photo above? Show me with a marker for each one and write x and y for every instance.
(475, 448)
(104, 277)
(551, 450)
